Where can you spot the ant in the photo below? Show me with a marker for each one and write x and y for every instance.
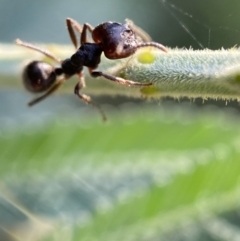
(116, 40)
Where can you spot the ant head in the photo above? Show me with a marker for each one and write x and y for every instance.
(38, 76)
(118, 40)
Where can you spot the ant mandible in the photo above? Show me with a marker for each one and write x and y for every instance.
(114, 39)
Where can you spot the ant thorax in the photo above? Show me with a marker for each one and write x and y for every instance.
(89, 55)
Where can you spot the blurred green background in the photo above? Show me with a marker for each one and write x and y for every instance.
(38, 22)
(158, 170)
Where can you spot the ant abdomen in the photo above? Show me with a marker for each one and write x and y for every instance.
(38, 76)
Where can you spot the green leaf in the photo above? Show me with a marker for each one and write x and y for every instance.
(140, 178)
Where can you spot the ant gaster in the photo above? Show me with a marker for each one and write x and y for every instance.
(115, 40)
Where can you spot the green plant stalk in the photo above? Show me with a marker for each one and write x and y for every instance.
(187, 73)
(178, 73)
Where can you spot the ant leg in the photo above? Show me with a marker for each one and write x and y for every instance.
(70, 25)
(74, 24)
(117, 79)
(87, 99)
(86, 27)
(49, 92)
(40, 50)
(140, 32)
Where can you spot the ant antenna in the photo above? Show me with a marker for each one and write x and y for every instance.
(153, 44)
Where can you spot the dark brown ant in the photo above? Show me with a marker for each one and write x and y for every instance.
(114, 39)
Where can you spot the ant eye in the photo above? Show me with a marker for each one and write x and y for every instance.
(127, 32)
(38, 76)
